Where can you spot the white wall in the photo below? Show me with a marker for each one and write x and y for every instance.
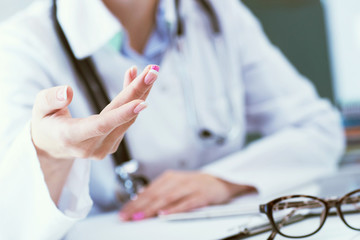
(9, 7)
(343, 23)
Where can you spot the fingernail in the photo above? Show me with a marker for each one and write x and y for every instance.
(140, 107)
(138, 216)
(123, 216)
(163, 212)
(61, 94)
(152, 75)
(155, 67)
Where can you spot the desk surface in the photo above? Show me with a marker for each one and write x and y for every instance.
(109, 227)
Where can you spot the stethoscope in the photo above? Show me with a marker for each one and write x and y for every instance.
(208, 136)
(126, 170)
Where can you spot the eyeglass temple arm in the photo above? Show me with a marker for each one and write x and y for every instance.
(313, 204)
(352, 199)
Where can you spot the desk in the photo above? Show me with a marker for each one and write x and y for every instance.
(109, 227)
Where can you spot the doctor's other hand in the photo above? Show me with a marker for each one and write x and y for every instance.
(59, 138)
(177, 191)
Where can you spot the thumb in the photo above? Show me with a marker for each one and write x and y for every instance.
(51, 100)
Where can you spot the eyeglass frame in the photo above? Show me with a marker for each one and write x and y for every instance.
(328, 203)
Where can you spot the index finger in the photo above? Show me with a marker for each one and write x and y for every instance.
(103, 124)
(157, 196)
(138, 88)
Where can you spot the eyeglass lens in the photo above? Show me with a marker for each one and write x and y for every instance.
(309, 213)
(350, 209)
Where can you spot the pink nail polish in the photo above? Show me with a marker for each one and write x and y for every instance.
(138, 216)
(155, 67)
(140, 107)
(152, 75)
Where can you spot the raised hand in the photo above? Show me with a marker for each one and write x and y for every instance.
(59, 138)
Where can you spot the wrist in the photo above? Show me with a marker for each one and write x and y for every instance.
(55, 171)
(236, 190)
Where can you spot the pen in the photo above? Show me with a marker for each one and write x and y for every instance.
(251, 209)
(245, 232)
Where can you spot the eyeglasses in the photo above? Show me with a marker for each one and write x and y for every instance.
(310, 213)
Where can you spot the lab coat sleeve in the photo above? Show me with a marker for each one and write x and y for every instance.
(302, 134)
(26, 208)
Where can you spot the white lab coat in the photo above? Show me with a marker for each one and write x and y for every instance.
(302, 133)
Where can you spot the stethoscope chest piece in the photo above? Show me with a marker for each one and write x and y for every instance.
(130, 182)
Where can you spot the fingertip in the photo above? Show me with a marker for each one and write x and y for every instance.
(147, 68)
(138, 216)
(155, 67)
(152, 75)
(133, 72)
(61, 93)
(64, 95)
(50, 100)
(69, 93)
(163, 212)
(123, 217)
(130, 76)
(140, 107)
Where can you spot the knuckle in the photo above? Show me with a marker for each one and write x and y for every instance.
(66, 142)
(136, 92)
(122, 119)
(191, 204)
(101, 128)
(99, 157)
(83, 153)
(201, 201)
(66, 138)
(169, 198)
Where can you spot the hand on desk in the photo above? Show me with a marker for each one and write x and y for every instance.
(175, 192)
(59, 138)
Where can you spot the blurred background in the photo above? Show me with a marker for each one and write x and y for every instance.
(320, 37)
